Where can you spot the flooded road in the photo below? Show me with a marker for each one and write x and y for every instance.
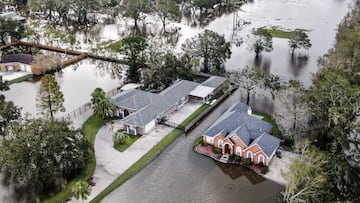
(180, 175)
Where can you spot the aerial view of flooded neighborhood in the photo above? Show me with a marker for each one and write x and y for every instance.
(214, 101)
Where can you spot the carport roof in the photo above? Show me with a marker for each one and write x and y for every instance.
(201, 91)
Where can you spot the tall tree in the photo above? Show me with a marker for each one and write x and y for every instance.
(133, 47)
(102, 105)
(299, 39)
(307, 178)
(50, 99)
(12, 28)
(81, 190)
(133, 9)
(210, 46)
(334, 108)
(167, 9)
(248, 79)
(8, 111)
(262, 42)
(42, 154)
(165, 68)
(293, 98)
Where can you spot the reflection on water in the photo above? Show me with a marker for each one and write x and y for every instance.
(238, 171)
(76, 82)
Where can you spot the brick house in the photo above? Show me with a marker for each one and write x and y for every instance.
(239, 132)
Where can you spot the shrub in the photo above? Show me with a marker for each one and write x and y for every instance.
(264, 169)
(237, 158)
(288, 141)
(247, 162)
(261, 164)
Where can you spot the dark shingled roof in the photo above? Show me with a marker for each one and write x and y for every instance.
(214, 81)
(134, 99)
(237, 116)
(236, 120)
(179, 90)
(267, 143)
(148, 106)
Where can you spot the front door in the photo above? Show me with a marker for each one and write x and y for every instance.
(227, 149)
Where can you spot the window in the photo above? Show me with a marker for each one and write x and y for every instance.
(238, 151)
(261, 159)
(220, 143)
(249, 155)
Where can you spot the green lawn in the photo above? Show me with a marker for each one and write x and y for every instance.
(89, 130)
(275, 129)
(128, 142)
(20, 79)
(141, 163)
(275, 32)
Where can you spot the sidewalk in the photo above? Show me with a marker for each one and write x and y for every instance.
(110, 163)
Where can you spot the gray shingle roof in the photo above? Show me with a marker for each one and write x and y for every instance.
(267, 143)
(233, 119)
(250, 129)
(243, 133)
(214, 81)
(134, 99)
(179, 90)
(148, 106)
(147, 114)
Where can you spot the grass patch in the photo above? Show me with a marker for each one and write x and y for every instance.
(20, 79)
(275, 129)
(89, 130)
(274, 32)
(198, 141)
(128, 142)
(149, 156)
(141, 163)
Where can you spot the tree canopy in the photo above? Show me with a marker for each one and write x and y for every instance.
(133, 48)
(307, 178)
(50, 98)
(102, 105)
(8, 111)
(41, 154)
(211, 47)
(12, 28)
(299, 39)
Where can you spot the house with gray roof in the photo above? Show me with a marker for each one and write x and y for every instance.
(140, 111)
(239, 132)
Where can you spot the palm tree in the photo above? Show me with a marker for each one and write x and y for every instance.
(102, 105)
(81, 190)
(119, 136)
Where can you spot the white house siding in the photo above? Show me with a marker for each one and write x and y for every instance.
(149, 126)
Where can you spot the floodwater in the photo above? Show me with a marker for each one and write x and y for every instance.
(319, 17)
(76, 82)
(180, 175)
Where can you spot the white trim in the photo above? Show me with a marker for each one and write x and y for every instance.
(263, 159)
(259, 148)
(271, 156)
(238, 151)
(247, 155)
